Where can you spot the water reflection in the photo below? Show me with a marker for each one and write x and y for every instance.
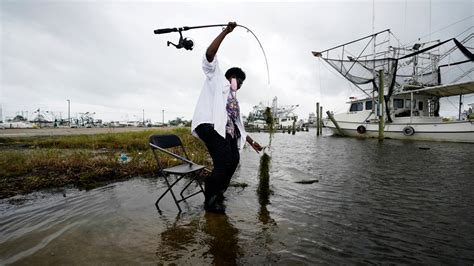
(264, 216)
(211, 238)
(177, 238)
(222, 239)
(264, 192)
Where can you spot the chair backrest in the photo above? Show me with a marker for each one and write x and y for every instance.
(163, 142)
(166, 141)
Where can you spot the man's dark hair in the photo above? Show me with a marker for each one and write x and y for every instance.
(235, 71)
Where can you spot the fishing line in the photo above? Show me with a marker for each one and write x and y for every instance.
(189, 44)
(436, 31)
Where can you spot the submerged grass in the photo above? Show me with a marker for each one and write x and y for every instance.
(84, 161)
(263, 189)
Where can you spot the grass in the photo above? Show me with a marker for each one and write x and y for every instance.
(126, 140)
(270, 121)
(263, 189)
(84, 161)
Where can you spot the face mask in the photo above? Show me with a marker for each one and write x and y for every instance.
(233, 84)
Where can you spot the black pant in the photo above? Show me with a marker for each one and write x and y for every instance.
(225, 157)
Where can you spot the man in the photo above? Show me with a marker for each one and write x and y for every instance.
(218, 122)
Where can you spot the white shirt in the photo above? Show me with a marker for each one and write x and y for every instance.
(211, 105)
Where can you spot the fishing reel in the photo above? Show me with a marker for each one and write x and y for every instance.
(188, 44)
(185, 43)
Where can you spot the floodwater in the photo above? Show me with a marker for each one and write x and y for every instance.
(395, 202)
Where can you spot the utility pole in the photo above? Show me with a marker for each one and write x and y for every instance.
(143, 116)
(163, 117)
(69, 112)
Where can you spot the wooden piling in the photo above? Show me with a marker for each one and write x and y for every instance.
(317, 119)
(335, 123)
(381, 105)
(321, 120)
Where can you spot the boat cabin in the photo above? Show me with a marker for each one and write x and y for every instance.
(401, 106)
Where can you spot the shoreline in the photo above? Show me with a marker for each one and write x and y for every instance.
(49, 132)
(84, 159)
(36, 132)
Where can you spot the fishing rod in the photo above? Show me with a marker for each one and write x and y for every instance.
(188, 44)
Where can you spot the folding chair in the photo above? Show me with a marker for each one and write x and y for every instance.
(187, 168)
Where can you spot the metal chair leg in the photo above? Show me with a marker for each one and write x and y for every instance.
(199, 183)
(185, 187)
(193, 179)
(171, 191)
(183, 197)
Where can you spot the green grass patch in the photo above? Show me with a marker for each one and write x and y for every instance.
(128, 141)
(85, 161)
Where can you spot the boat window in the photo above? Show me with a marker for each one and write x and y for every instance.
(368, 105)
(357, 107)
(397, 103)
(413, 104)
(420, 105)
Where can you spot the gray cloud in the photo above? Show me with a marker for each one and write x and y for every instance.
(106, 59)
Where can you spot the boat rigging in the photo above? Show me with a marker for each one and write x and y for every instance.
(415, 77)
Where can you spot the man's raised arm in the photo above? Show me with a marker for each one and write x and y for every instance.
(212, 49)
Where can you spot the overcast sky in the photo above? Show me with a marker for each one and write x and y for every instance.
(104, 57)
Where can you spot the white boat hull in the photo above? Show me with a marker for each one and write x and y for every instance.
(450, 131)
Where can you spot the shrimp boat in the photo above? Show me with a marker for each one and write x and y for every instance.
(413, 81)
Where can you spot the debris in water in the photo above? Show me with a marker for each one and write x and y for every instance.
(238, 184)
(124, 158)
(307, 181)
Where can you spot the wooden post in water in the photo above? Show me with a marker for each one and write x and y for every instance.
(317, 119)
(460, 106)
(321, 120)
(335, 123)
(381, 106)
